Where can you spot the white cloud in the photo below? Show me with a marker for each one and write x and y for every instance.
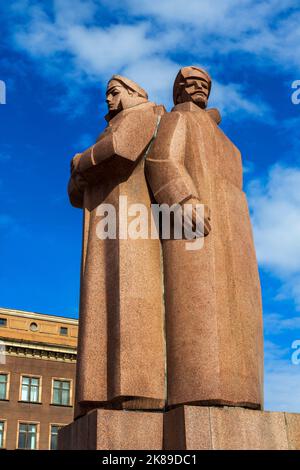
(290, 289)
(276, 219)
(217, 16)
(268, 29)
(232, 98)
(282, 388)
(275, 213)
(290, 129)
(282, 379)
(69, 41)
(156, 75)
(101, 51)
(275, 323)
(75, 11)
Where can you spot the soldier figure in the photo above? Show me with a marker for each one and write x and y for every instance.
(121, 357)
(213, 308)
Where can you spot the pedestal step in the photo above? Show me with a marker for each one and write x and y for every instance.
(113, 430)
(230, 428)
(183, 428)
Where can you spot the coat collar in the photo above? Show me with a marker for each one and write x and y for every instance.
(146, 104)
(213, 113)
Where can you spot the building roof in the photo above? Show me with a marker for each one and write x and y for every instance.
(38, 331)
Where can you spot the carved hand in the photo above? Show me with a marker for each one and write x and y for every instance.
(78, 180)
(203, 225)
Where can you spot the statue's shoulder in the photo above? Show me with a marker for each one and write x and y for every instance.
(189, 107)
(133, 128)
(137, 116)
(176, 117)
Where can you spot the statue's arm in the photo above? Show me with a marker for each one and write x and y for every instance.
(166, 173)
(85, 167)
(126, 140)
(102, 150)
(168, 176)
(76, 184)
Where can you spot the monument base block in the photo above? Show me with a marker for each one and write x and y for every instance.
(230, 428)
(183, 428)
(113, 430)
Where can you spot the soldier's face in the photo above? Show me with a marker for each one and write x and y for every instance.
(196, 90)
(117, 97)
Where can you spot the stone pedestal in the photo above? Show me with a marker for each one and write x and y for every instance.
(230, 428)
(113, 430)
(183, 428)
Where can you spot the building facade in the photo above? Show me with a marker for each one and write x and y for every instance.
(37, 378)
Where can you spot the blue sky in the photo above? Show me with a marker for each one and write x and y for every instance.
(56, 57)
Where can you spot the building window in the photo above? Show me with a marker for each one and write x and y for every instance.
(33, 326)
(28, 434)
(3, 322)
(30, 389)
(3, 386)
(2, 434)
(61, 392)
(54, 436)
(63, 331)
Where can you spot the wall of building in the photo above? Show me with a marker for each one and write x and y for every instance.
(43, 413)
(44, 353)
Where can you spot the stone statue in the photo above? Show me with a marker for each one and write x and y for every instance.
(213, 308)
(168, 335)
(121, 358)
(212, 300)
